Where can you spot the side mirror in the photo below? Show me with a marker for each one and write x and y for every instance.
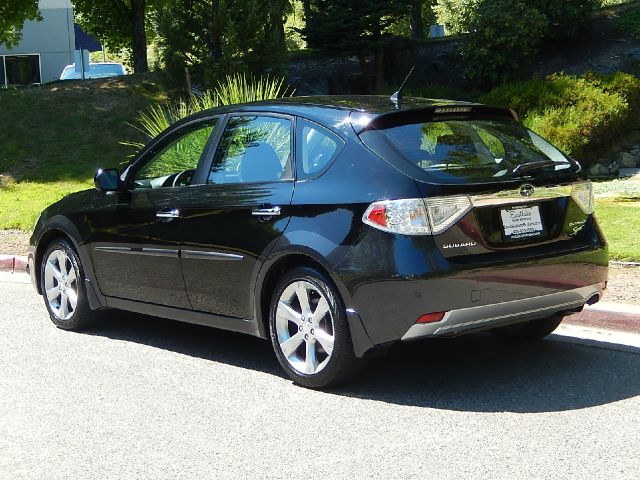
(107, 180)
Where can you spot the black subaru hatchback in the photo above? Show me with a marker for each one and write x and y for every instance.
(335, 227)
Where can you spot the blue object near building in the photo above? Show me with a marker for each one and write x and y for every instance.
(84, 41)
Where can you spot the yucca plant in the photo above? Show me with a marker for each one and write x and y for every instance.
(232, 89)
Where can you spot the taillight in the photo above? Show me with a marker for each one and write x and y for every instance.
(445, 211)
(417, 216)
(582, 193)
(408, 217)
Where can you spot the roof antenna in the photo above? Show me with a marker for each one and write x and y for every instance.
(396, 98)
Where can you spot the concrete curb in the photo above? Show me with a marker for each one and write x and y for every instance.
(614, 317)
(13, 263)
(616, 263)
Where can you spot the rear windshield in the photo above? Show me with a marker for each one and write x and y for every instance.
(458, 151)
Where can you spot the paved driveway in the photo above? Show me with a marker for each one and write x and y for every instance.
(138, 397)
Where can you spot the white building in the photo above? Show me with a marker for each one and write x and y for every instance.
(45, 49)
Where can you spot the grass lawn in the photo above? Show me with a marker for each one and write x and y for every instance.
(620, 222)
(53, 138)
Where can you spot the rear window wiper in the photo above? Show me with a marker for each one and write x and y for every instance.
(525, 167)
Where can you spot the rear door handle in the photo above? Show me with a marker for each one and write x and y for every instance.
(266, 212)
(168, 213)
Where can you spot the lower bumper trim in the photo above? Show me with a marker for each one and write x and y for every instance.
(489, 316)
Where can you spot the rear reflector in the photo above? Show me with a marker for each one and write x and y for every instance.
(431, 317)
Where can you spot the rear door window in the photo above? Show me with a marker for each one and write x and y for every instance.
(253, 149)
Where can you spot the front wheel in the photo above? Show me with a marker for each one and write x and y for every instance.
(529, 331)
(309, 330)
(63, 286)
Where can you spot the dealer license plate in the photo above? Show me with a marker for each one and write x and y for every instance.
(521, 222)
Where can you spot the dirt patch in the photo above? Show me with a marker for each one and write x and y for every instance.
(624, 285)
(14, 242)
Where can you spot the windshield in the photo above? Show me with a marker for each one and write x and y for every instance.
(469, 150)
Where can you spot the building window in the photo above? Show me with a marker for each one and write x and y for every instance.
(21, 70)
(3, 82)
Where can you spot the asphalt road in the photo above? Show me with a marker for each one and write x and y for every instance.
(138, 397)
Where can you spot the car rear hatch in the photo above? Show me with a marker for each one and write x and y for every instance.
(490, 187)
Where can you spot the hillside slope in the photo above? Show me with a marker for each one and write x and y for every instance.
(52, 139)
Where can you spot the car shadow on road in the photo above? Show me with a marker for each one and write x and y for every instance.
(472, 373)
(482, 374)
(212, 344)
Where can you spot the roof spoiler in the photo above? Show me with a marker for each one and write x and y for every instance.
(438, 113)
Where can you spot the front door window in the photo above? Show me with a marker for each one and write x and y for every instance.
(175, 163)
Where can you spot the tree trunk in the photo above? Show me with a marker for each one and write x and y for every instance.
(216, 37)
(139, 47)
(306, 6)
(277, 24)
(417, 22)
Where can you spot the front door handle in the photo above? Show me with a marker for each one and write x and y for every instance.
(168, 213)
(266, 212)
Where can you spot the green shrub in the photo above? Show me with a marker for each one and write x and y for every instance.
(564, 17)
(505, 36)
(578, 114)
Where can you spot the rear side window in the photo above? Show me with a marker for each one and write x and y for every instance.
(317, 147)
(458, 151)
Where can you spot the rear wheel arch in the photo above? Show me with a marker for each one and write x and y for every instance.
(269, 281)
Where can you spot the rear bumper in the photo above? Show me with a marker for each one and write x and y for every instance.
(459, 321)
(391, 281)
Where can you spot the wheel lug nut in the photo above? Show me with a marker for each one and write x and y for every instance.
(306, 337)
(312, 331)
(300, 328)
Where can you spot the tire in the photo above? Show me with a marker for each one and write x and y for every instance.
(313, 347)
(529, 331)
(63, 286)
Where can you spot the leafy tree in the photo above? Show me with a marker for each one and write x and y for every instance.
(456, 14)
(211, 37)
(13, 14)
(361, 28)
(119, 24)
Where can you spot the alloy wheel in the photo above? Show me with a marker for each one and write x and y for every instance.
(60, 284)
(305, 327)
